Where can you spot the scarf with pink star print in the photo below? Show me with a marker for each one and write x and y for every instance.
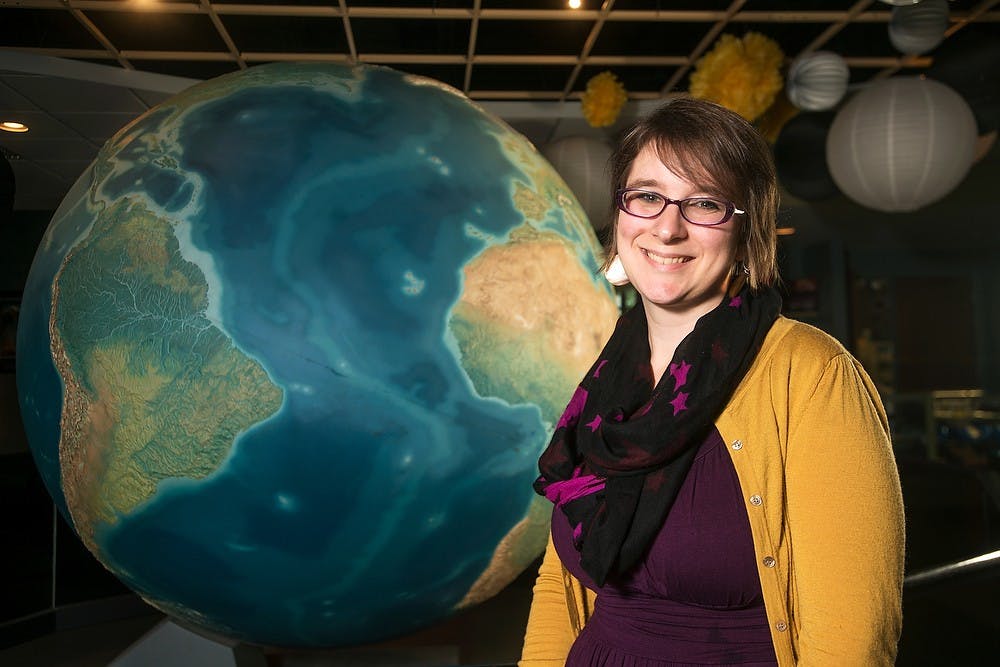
(622, 448)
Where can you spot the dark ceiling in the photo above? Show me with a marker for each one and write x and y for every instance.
(490, 49)
(80, 69)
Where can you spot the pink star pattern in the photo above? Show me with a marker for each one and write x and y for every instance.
(573, 410)
(680, 373)
(597, 371)
(679, 402)
(595, 423)
(719, 353)
(735, 302)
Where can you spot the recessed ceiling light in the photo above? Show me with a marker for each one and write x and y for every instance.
(574, 4)
(13, 126)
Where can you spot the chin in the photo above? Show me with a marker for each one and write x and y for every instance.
(680, 302)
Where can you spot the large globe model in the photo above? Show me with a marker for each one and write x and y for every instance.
(292, 344)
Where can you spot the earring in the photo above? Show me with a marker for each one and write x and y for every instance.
(746, 268)
(615, 273)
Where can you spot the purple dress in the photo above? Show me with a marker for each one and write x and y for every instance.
(695, 599)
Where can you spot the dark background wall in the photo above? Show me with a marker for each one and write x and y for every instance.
(913, 295)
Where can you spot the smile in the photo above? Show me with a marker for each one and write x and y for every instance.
(665, 261)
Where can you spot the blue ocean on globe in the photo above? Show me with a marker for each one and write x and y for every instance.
(292, 344)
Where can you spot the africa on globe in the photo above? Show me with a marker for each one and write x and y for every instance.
(292, 344)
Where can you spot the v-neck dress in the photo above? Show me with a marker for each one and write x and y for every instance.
(695, 598)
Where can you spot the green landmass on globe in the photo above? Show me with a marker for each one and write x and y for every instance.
(291, 386)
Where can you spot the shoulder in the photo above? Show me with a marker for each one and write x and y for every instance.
(798, 360)
(790, 342)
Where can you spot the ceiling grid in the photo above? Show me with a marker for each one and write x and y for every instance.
(538, 54)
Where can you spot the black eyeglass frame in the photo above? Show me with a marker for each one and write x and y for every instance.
(731, 208)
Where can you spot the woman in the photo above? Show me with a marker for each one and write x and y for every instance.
(723, 483)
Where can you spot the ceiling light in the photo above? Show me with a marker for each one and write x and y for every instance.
(574, 4)
(13, 126)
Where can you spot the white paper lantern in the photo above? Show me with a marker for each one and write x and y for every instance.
(918, 28)
(817, 81)
(582, 162)
(901, 143)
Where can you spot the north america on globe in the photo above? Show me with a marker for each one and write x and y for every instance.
(293, 343)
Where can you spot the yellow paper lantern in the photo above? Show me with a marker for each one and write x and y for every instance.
(742, 75)
(603, 100)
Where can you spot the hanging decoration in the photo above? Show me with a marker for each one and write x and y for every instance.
(798, 156)
(603, 100)
(970, 66)
(582, 162)
(771, 121)
(901, 143)
(915, 29)
(817, 81)
(742, 75)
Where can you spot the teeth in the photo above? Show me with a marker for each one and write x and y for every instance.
(666, 260)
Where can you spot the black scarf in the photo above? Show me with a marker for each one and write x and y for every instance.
(639, 442)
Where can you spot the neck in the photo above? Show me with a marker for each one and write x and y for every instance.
(666, 329)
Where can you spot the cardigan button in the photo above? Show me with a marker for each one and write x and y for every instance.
(781, 626)
(737, 445)
(769, 561)
(756, 500)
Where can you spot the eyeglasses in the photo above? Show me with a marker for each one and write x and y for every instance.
(706, 211)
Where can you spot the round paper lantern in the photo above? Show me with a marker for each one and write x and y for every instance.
(582, 162)
(969, 64)
(817, 81)
(918, 28)
(901, 143)
(799, 156)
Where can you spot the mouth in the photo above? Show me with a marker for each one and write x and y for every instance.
(666, 261)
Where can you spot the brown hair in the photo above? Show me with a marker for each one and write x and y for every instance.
(721, 152)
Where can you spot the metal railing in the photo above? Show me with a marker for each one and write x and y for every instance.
(952, 570)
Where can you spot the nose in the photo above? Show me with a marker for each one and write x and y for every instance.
(669, 224)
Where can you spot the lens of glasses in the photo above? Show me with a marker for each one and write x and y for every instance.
(642, 203)
(704, 210)
(699, 210)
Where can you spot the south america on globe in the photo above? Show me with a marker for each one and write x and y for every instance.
(291, 346)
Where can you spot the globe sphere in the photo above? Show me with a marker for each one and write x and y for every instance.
(817, 81)
(901, 143)
(292, 344)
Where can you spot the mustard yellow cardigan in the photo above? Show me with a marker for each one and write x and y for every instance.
(808, 437)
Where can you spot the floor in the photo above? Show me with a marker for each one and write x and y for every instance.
(488, 635)
(953, 623)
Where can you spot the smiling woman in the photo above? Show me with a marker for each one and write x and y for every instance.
(690, 473)
(680, 268)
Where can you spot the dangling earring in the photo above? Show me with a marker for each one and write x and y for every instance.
(746, 268)
(615, 273)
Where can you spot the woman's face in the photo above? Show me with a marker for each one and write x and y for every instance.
(673, 264)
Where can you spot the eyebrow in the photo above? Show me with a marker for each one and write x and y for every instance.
(655, 185)
(644, 183)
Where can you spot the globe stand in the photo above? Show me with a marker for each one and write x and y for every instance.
(170, 645)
